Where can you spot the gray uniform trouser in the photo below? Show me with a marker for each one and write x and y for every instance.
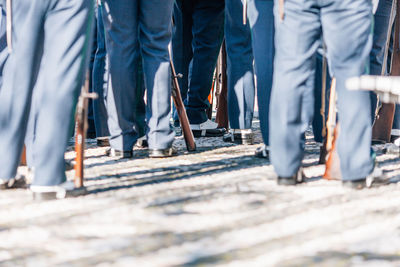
(133, 27)
(3, 41)
(347, 31)
(240, 72)
(57, 62)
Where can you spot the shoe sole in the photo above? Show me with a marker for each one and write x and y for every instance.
(240, 140)
(391, 151)
(158, 154)
(118, 155)
(261, 155)
(18, 184)
(46, 196)
(209, 133)
(286, 181)
(354, 186)
(103, 144)
(290, 181)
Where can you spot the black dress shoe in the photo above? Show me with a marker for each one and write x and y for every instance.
(393, 138)
(91, 135)
(103, 141)
(142, 142)
(15, 183)
(375, 177)
(64, 190)
(297, 178)
(262, 152)
(111, 152)
(162, 153)
(238, 136)
(207, 129)
(176, 123)
(69, 165)
(209, 132)
(357, 184)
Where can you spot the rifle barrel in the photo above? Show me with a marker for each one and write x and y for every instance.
(177, 98)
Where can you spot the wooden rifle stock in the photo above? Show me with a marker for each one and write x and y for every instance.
(330, 131)
(222, 100)
(382, 128)
(23, 157)
(332, 164)
(80, 131)
(180, 108)
(211, 96)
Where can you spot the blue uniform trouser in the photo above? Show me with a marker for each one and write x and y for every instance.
(99, 80)
(182, 46)
(197, 41)
(91, 131)
(140, 123)
(261, 18)
(134, 28)
(381, 25)
(240, 67)
(100, 76)
(347, 31)
(51, 38)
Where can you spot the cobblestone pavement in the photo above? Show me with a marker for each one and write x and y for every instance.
(219, 206)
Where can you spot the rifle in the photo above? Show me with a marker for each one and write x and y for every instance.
(23, 157)
(381, 130)
(80, 131)
(222, 100)
(180, 108)
(332, 165)
(211, 96)
(323, 152)
(331, 122)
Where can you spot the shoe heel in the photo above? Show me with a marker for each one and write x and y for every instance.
(286, 181)
(248, 141)
(44, 196)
